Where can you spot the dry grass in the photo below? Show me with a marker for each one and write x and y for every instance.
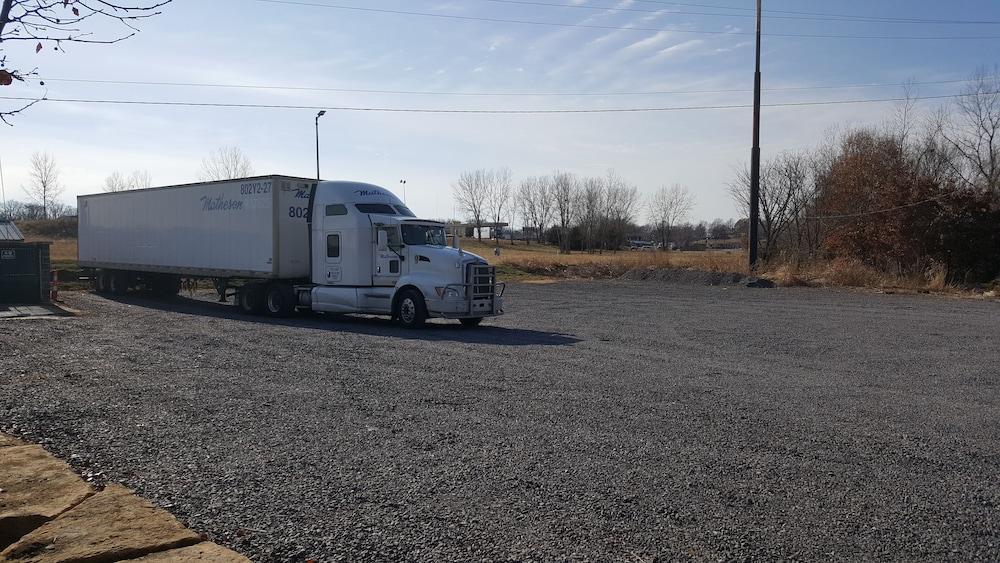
(543, 262)
(851, 273)
(519, 260)
(61, 250)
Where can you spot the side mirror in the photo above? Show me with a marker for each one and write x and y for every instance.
(383, 240)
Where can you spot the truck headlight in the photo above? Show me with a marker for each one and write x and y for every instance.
(447, 293)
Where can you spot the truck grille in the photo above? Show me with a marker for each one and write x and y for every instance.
(482, 281)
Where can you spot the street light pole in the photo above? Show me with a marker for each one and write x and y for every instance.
(404, 190)
(318, 115)
(755, 155)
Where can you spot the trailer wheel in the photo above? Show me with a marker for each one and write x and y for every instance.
(411, 309)
(118, 283)
(101, 282)
(250, 299)
(165, 285)
(472, 321)
(279, 301)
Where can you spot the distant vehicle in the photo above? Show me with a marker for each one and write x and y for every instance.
(284, 244)
(639, 244)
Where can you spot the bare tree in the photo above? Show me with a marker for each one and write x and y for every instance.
(471, 192)
(43, 181)
(534, 197)
(782, 181)
(564, 187)
(11, 209)
(501, 184)
(667, 208)
(115, 182)
(226, 163)
(974, 134)
(621, 200)
(59, 209)
(54, 23)
(118, 182)
(590, 210)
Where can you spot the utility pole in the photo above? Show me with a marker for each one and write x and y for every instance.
(3, 189)
(318, 115)
(755, 155)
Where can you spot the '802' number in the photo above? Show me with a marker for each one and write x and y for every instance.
(298, 212)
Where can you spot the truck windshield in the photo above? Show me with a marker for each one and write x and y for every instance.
(422, 235)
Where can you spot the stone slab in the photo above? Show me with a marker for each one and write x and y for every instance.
(34, 488)
(8, 311)
(112, 525)
(206, 551)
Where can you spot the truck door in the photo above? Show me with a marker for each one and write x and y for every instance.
(387, 259)
(333, 265)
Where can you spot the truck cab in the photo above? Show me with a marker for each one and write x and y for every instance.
(370, 254)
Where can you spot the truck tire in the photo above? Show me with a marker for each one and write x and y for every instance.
(118, 283)
(165, 285)
(411, 309)
(279, 300)
(250, 299)
(472, 321)
(101, 282)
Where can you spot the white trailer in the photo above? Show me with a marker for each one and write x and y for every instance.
(286, 244)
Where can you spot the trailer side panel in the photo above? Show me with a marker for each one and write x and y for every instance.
(210, 229)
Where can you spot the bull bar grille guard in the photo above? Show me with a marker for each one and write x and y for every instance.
(481, 280)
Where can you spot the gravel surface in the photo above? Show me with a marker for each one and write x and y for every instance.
(680, 422)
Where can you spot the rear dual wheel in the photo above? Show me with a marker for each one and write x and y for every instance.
(250, 299)
(279, 300)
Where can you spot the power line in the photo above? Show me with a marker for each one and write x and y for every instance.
(621, 28)
(880, 211)
(823, 14)
(453, 93)
(817, 17)
(492, 111)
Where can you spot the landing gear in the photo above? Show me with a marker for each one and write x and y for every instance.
(221, 285)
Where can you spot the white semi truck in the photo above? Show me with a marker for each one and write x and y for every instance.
(286, 244)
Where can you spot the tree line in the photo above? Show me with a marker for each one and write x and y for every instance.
(589, 213)
(45, 187)
(920, 192)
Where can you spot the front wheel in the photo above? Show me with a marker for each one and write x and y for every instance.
(412, 312)
(473, 321)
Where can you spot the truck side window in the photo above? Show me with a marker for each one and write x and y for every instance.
(378, 208)
(336, 209)
(333, 246)
(392, 235)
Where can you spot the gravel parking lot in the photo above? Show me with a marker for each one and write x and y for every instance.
(595, 421)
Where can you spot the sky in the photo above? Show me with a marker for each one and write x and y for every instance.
(632, 48)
